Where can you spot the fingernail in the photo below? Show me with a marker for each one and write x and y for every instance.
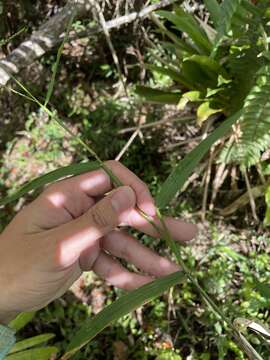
(123, 199)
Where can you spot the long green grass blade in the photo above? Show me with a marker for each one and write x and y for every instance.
(57, 62)
(119, 308)
(31, 342)
(5, 41)
(71, 170)
(185, 167)
(34, 354)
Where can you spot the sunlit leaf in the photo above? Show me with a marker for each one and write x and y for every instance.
(31, 342)
(21, 320)
(71, 170)
(34, 354)
(119, 308)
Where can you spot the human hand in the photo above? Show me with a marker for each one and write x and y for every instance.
(71, 228)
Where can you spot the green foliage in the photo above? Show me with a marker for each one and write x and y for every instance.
(119, 308)
(185, 167)
(28, 348)
(228, 72)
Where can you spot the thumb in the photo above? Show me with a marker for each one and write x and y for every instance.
(81, 234)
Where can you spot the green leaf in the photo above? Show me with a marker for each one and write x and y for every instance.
(174, 75)
(119, 308)
(31, 342)
(215, 11)
(190, 96)
(210, 66)
(183, 170)
(34, 354)
(21, 320)
(264, 289)
(187, 24)
(228, 10)
(204, 111)
(71, 170)
(58, 57)
(158, 96)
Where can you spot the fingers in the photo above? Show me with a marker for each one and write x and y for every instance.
(81, 234)
(71, 198)
(144, 198)
(114, 273)
(124, 246)
(179, 230)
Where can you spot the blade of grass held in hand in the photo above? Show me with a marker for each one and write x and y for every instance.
(124, 305)
(184, 169)
(71, 170)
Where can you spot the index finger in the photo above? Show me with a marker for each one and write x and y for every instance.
(144, 198)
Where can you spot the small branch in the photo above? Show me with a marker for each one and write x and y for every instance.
(126, 19)
(130, 141)
(160, 122)
(41, 41)
(244, 199)
(251, 198)
(109, 42)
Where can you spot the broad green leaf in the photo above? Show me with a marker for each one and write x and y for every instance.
(215, 12)
(21, 320)
(228, 10)
(183, 170)
(158, 96)
(174, 75)
(187, 24)
(209, 65)
(119, 308)
(71, 170)
(34, 354)
(204, 111)
(190, 96)
(180, 44)
(31, 342)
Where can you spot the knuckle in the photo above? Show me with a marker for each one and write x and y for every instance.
(99, 217)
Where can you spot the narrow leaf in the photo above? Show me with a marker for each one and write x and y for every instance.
(174, 75)
(158, 96)
(187, 24)
(57, 62)
(31, 342)
(34, 354)
(21, 320)
(119, 308)
(180, 174)
(71, 170)
(215, 11)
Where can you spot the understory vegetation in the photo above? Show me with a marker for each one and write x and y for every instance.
(181, 97)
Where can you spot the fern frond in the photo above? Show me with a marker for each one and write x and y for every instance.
(254, 124)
